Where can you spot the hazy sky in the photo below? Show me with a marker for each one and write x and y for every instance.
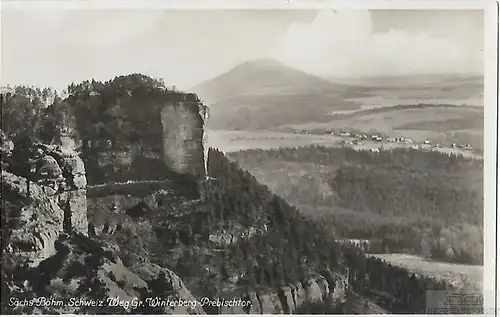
(54, 48)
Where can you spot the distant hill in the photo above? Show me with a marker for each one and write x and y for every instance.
(420, 80)
(265, 93)
(436, 88)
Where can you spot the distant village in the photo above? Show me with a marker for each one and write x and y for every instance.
(360, 139)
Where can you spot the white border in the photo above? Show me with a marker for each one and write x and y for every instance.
(490, 83)
(247, 4)
(490, 153)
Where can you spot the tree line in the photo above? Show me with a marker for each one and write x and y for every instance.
(393, 287)
(120, 115)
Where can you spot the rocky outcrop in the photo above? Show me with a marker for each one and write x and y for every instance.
(271, 304)
(59, 173)
(72, 194)
(170, 145)
(166, 285)
(43, 188)
(84, 271)
(183, 138)
(6, 145)
(337, 292)
(109, 162)
(47, 252)
(34, 221)
(291, 297)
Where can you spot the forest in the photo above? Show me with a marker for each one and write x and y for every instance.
(404, 200)
(91, 110)
(285, 246)
(300, 245)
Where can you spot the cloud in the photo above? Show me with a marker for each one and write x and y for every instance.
(52, 46)
(94, 28)
(343, 44)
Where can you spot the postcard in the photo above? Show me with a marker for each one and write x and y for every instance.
(249, 157)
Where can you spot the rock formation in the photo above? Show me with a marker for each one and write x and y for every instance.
(183, 137)
(289, 298)
(167, 141)
(57, 173)
(47, 252)
(33, 219)
(85, 270)
(163, 211)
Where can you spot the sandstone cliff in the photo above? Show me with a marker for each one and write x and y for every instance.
(133, 128)
(48, 184)
(46, 250)
(183, 138)
(290, 298)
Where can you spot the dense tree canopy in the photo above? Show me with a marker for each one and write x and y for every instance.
(403, 200)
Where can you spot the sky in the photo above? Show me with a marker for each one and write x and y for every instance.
(54, 47)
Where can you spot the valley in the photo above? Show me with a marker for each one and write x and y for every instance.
(468, 277)
(233, 141)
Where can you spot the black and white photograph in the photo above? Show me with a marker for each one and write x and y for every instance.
(210, 157)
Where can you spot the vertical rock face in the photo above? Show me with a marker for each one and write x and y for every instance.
(313, 291)
(287, 300)
(72, 194)
(271, 304)
(43, 188)
(147, 134)
(34, 220)
(290, 298)
(183, 138)
(205, 114)
(255, 307)
(339, 291)
(55, 174)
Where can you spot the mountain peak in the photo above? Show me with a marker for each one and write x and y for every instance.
(262, 63)
(257, 76)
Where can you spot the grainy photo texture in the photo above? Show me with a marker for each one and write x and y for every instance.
(266, 161)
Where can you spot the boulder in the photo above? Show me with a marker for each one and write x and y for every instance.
(48, 168)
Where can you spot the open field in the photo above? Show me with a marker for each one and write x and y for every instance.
(231, 141)
(468, 276)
